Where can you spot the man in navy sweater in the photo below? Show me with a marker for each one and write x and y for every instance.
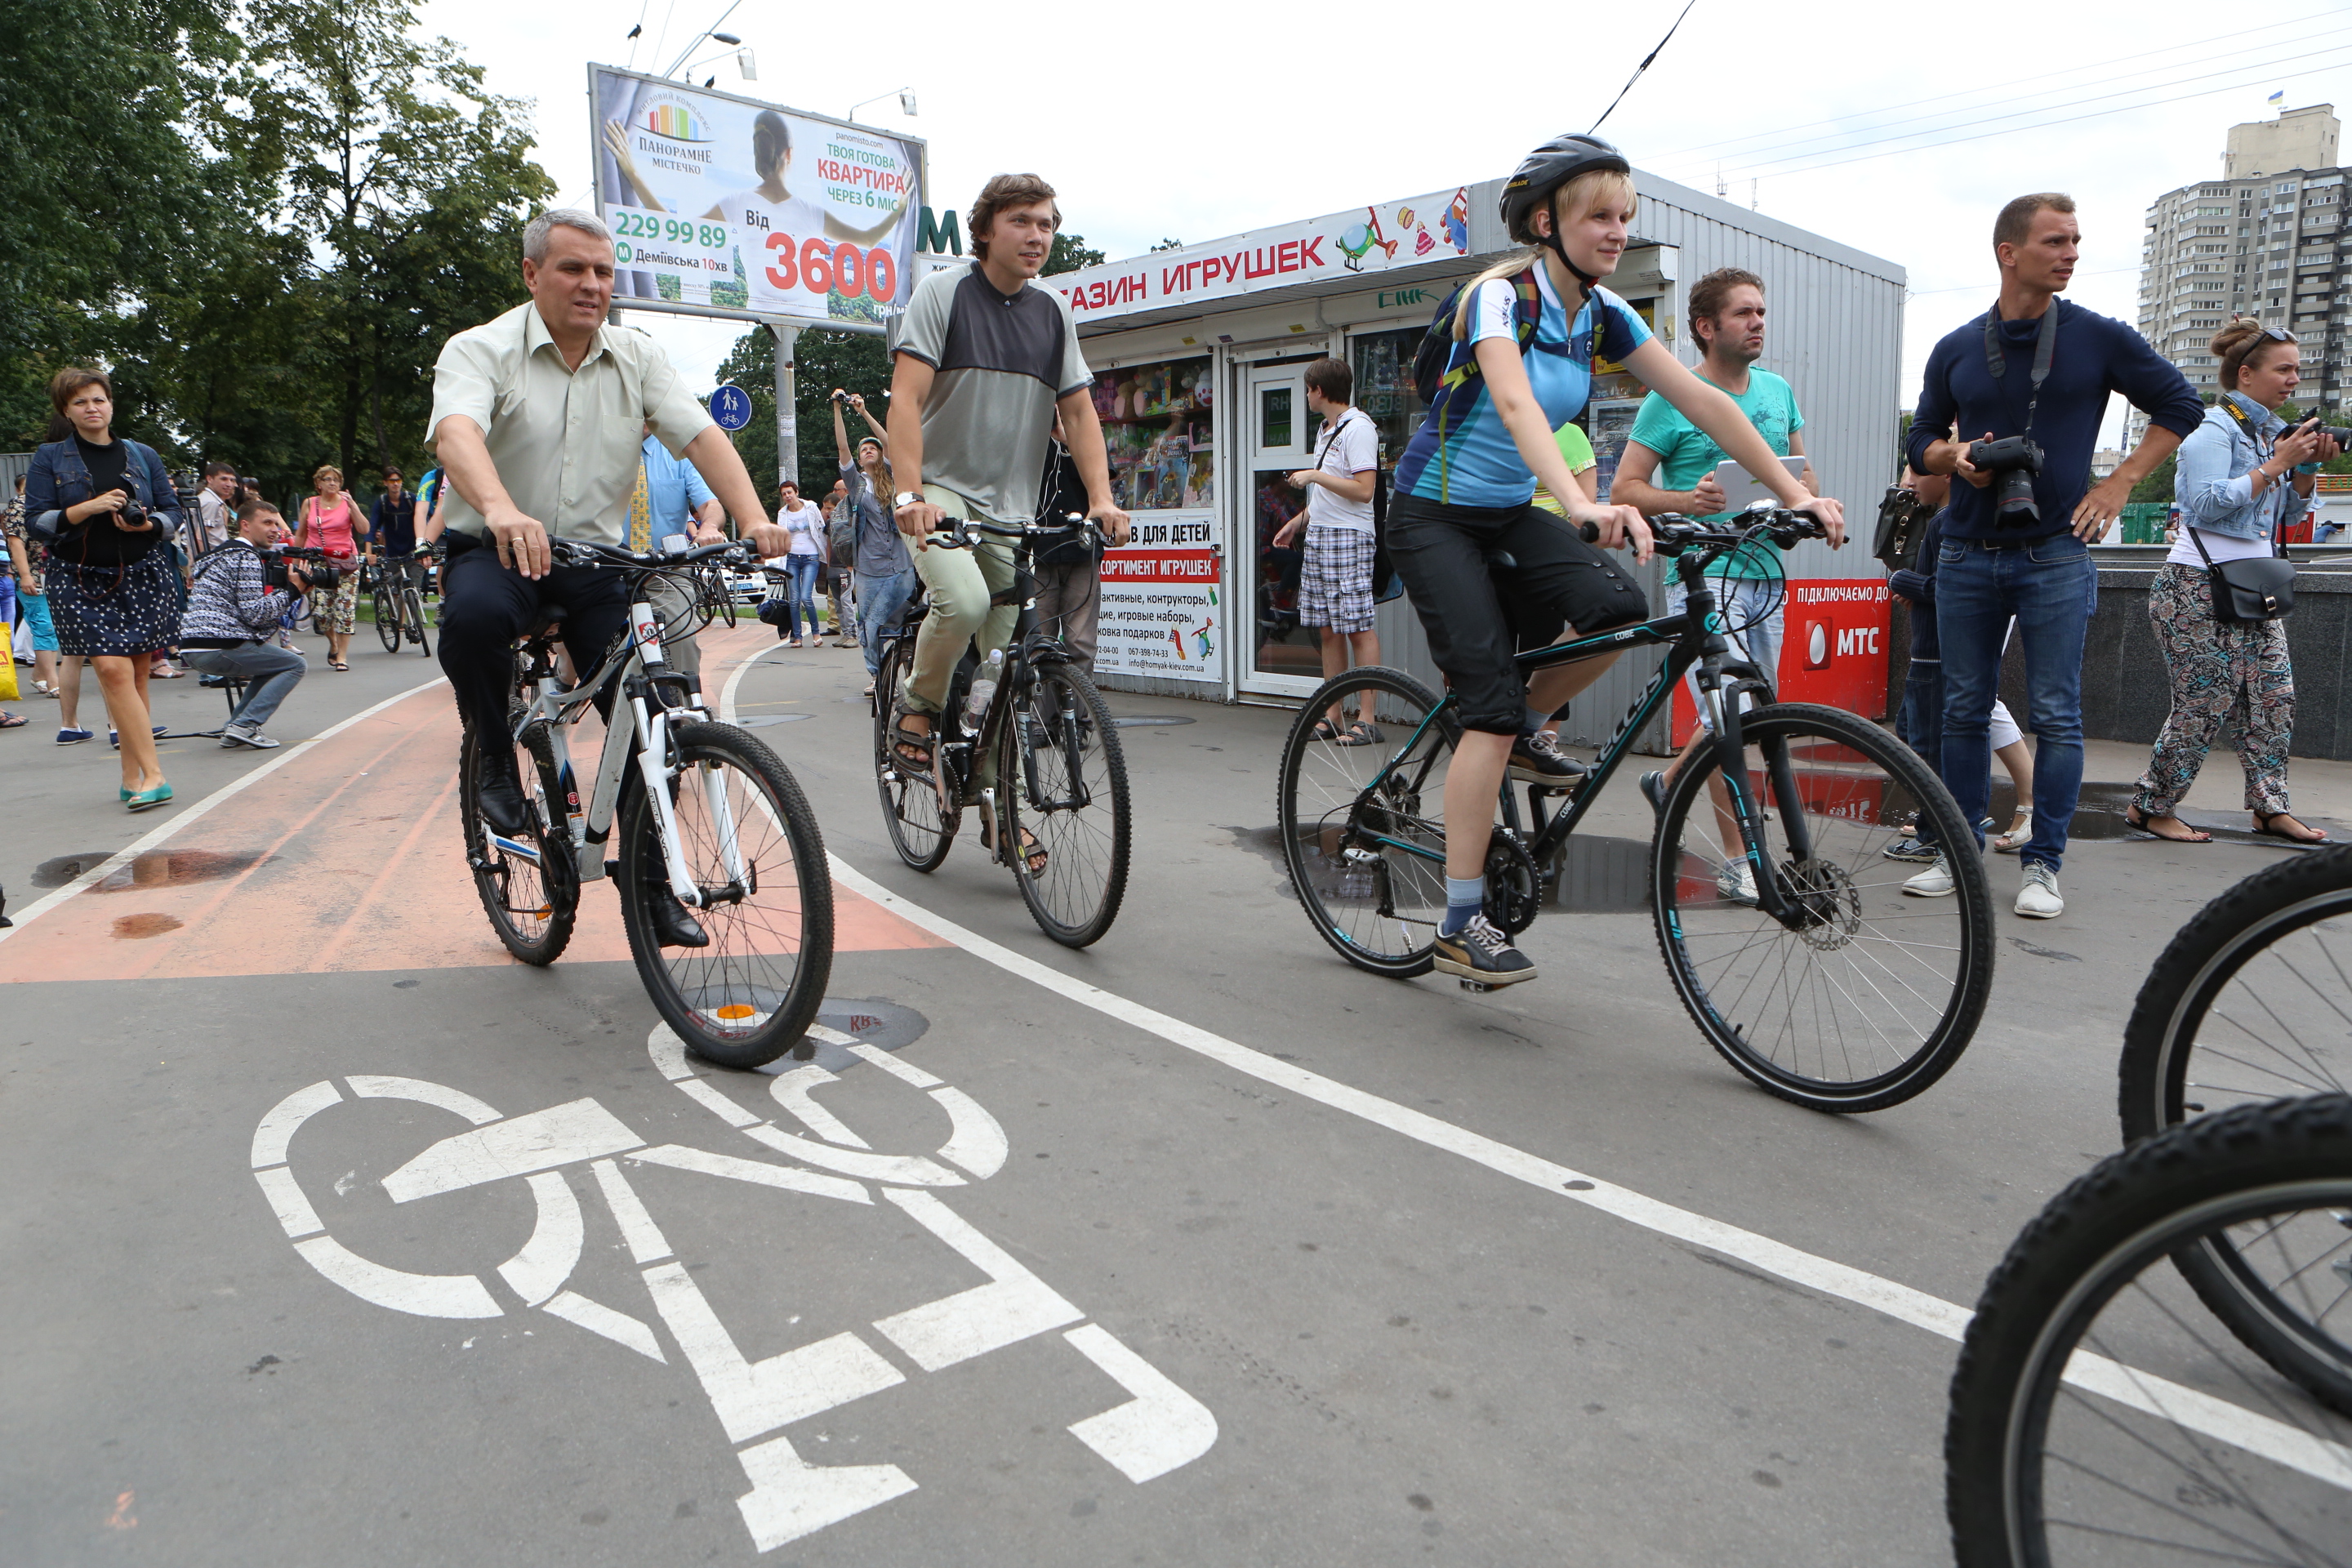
(2037, 568)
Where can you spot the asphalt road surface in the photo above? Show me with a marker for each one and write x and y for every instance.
(332, 1236)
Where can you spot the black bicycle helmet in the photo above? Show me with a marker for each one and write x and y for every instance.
(1543, 171)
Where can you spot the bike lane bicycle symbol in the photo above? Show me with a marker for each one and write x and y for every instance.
(1158, 1429)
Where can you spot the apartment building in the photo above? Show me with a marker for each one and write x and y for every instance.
(2266, 240)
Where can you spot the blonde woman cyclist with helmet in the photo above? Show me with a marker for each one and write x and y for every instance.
(1465, 487)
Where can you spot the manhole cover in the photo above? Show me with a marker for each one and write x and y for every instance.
(869, 1019)
(1145, 722)
(762, 721)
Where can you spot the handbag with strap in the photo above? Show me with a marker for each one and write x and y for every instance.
(2253, 588)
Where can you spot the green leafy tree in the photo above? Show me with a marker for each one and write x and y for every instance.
(1070, 253)
(822, 359)
(2158, 486)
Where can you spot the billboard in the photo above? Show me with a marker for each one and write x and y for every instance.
(720, 202)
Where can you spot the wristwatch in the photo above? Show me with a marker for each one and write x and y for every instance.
(905, 499)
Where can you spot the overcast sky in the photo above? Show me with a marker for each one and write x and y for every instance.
(1198, 120)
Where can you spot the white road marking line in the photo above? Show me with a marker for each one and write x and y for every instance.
(598, 1318)
(196, 811)
(670, 1053)
(1160, 1429)
(426, 1295)
(791, 1498)
(278, 1124)
(646, 1243)
(905, 1072)
(2315, 1455)
(758, 1173)
(548, 1258)
(1015, 1305)
(2259, 1434)
(911, 1169)
(579, 1131)
(753, 1397)
(284, 1196)
(976, 1140)
(712, 1099)
(831, 1037)
(375, 1086)
(791, 1091)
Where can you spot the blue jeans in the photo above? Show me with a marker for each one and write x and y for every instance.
(800, 593)
(2048, 585)
(270, 671)
(880, 601)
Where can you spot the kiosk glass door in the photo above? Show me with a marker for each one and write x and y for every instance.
(1277, 436)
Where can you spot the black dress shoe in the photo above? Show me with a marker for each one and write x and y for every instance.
(503, 808)
(674, 926)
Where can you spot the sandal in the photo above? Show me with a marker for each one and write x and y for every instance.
(1325, 731)
(2021, 830)
(2310, 835)
(2139, 822)
(12, 720)
(1032, 852)
(1360, 733)
(916, 749)
(337, 664)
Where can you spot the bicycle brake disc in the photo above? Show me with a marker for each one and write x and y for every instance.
(1514, 891)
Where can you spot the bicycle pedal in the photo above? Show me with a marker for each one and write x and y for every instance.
(1478, 985)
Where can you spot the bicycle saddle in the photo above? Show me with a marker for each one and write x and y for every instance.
(545, 618)
(1500, 561)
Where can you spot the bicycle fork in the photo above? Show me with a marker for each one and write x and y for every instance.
(1731, 755)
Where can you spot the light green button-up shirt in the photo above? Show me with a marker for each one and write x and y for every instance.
(565, 441)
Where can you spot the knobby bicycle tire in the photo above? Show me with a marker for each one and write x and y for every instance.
(385, 604)
(1877, 995)
(2090, 1252)
(2250, 1003)
(1076, 894)
(1362, 828)
(920, 831)
(533, 905)
(751, 993)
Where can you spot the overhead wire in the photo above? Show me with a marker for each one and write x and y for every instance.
(1713, 149)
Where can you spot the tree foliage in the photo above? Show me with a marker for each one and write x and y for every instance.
(822, 359)
(1070, 253)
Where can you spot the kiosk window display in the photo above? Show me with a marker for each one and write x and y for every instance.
(1156, 423)
(1160, 617)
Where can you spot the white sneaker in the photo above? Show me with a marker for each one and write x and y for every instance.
(1935, 882)
(2037, 898)
(1736, 883)
(233, 735)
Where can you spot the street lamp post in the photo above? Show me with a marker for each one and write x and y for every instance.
(710, 32)
(905, 95)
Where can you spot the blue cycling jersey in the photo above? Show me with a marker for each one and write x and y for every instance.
(1474, 462)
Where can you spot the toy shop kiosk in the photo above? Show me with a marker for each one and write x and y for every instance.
(1199, 354)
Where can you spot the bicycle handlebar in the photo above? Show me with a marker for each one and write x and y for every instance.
(1671, 532)
(957, 535)
(589, 553)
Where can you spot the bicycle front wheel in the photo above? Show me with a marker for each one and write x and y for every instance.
(413, 608)
(1865, 996)
(384, 604)
(749, 991)
(1061, 776)
(920, 830)
(2095, 1417)
(1362, 825)
(530, 890)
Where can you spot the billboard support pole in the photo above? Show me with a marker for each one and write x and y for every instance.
(788, 421)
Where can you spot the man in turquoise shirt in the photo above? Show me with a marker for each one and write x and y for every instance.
(1669, 466)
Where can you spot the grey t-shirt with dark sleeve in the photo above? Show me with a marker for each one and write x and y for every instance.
(1003, 362)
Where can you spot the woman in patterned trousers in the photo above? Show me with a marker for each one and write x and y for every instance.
(2238, 488)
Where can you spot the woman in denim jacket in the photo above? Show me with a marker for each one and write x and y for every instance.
(2238, 490)
(113, 580)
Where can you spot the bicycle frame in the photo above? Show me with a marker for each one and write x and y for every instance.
(638, 725)
(1691, 637)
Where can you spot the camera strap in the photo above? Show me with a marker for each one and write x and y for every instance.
(2045, 347)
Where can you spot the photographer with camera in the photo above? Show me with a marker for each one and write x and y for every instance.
(234, 604)
(2033, 375)
(106, 511)
(2244, 478)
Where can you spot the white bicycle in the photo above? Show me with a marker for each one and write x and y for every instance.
(710, 823)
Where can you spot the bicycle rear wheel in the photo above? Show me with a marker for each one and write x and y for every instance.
(384, 603)
(2096, 1418)
(751, 843)
(413, 609)
(1062, 777)
(1872, 996)
(920, 831)
(1362, 827)
(530, 890)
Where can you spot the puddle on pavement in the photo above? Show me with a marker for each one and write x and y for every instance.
(1594, 874)
(156, 868)
(136, 927)
(870, 1019)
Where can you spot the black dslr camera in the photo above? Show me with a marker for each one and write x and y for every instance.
(325, 577)
(2014, 462)
(2336, 433)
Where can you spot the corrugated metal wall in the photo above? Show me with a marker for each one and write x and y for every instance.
(14, 466)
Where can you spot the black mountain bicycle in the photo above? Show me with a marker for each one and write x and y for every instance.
(1783, 923)
(1058, 810)
(709, 821)
(398, 605)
